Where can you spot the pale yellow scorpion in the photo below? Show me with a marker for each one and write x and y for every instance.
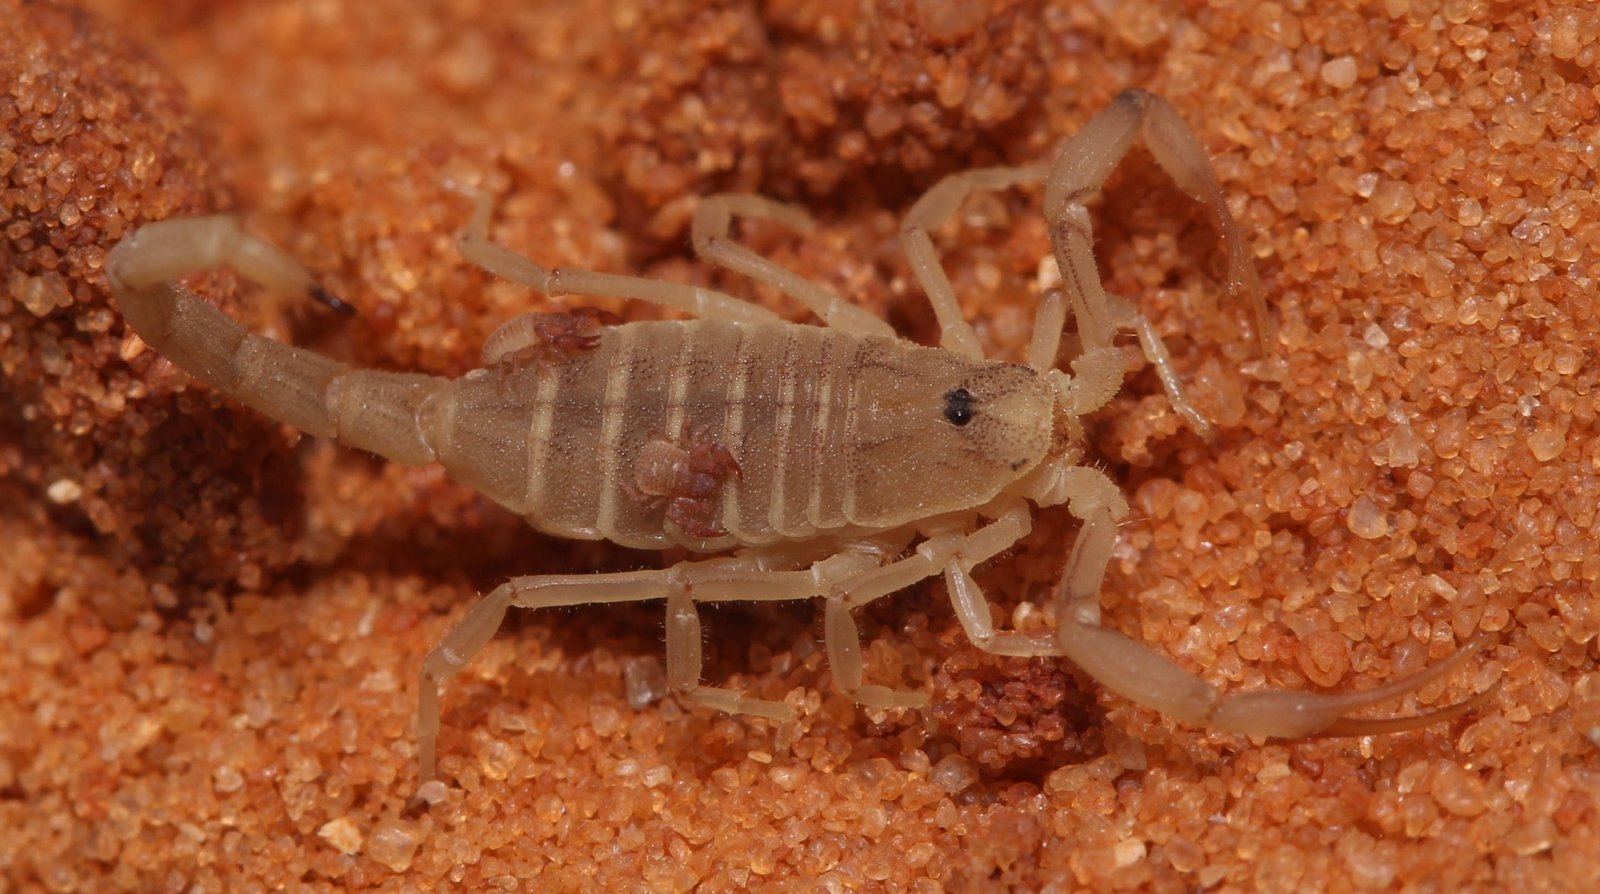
(836, 461)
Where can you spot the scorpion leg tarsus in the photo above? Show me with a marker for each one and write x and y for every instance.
(684, 661)
(843, 642)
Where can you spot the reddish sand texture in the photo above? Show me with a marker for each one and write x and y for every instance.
(212, 627)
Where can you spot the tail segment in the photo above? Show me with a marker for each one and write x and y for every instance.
(383, 412)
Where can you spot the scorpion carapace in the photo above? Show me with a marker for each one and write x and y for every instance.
(838, 462)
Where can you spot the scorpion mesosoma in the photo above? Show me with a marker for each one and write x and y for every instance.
(836, 461)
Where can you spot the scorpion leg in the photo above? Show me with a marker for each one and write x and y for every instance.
(710, 235)
(752, 576)
(684, 662)
(947, 545)
(469, 635)
(503, 262)
(936, 206)
(948, 548)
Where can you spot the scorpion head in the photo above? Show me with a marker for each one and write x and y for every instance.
(935, 432)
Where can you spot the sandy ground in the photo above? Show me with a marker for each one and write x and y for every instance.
(212, 626)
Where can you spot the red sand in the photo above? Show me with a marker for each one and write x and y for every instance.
(212, 627)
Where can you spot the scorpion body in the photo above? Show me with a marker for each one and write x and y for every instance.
(828, 429)
(839, 462)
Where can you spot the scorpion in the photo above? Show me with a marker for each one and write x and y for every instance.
(839, 461)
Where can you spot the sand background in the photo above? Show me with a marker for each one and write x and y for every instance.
(212, 626)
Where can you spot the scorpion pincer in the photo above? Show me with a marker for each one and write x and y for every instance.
(838, 462)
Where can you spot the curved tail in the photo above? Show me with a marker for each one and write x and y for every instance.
(383, 412)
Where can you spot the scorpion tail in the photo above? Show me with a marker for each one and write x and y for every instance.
(382, 412)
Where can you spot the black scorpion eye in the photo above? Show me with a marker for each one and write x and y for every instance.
(958, 407)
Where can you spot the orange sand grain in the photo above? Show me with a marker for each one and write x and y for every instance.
(212, 627)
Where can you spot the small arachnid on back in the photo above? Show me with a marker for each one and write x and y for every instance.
(838, 462)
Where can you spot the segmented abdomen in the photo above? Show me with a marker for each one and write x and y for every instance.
(559, 442)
